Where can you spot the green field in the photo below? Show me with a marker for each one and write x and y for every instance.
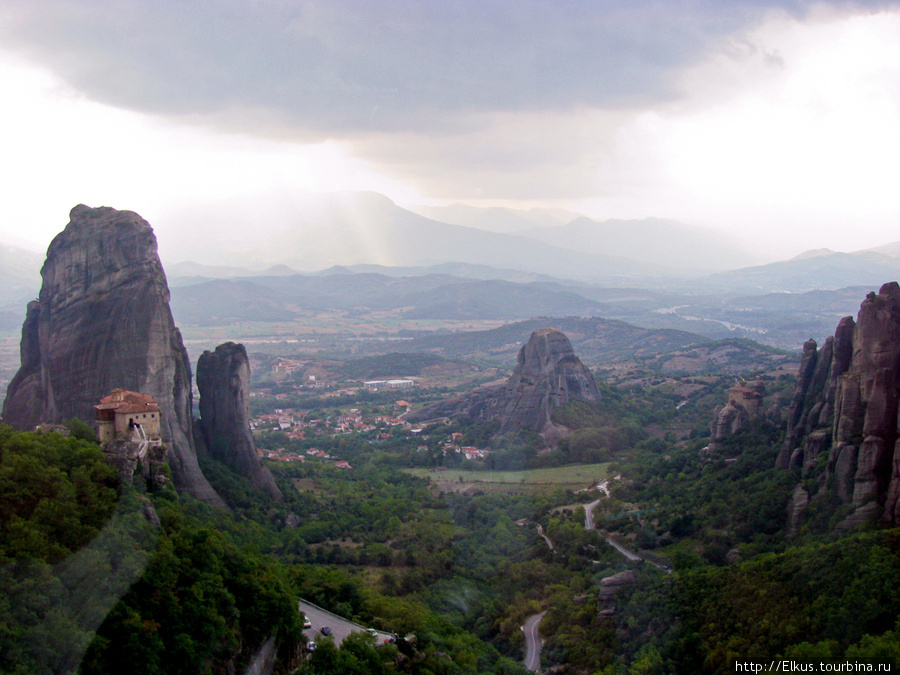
(580, 475)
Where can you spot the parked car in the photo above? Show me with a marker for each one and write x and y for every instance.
(326, 630)
(307, 623)
(311, 646)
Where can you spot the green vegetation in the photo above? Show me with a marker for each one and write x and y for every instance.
(574, 476)
(452, 555)
(55, 494)
(835, 599)
(708, 506)
(61, 522)
(202, 601)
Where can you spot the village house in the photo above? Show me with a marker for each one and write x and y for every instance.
(284, 366)
(472, 453)
(388, 420)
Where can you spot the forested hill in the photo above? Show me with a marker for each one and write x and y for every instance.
(80, 553)
(103, 578)
(606, 341)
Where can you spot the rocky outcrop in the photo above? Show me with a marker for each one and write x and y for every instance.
(482, 405)
(223, 378)
(845, 410)
(102, 321)
(610, 588)
(127, 456)
(547, 375)
(796, 508)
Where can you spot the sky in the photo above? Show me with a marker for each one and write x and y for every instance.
(777, 121)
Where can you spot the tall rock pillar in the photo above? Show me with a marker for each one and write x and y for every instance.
(103, 322)
(547, 375)
(223, 378)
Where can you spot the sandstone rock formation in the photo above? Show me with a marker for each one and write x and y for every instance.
(610, 588)
(126, 456)
(547, 375)
(845, 410)
(223, 378)
(102, 321)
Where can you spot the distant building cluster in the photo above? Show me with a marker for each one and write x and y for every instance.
(375, 385)
(282, 455)
(469, 452)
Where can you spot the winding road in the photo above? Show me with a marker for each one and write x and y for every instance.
(533, 642)
(631, 555)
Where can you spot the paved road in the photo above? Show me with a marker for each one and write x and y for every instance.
(589, 525)
(533, 642)
(340, 627)
(589, 514)
(631, 555)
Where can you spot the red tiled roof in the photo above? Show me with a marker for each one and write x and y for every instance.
(123, 401)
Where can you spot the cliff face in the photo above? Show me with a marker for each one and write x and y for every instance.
(102, 322)
(223, 378)
(846, 409)
(547, 375)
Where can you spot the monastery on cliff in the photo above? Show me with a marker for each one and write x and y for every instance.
(127, 416)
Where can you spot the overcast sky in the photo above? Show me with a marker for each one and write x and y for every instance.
(777, 120)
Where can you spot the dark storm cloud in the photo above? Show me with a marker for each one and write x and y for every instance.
(363, 65)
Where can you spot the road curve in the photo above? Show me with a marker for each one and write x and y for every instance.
(589, 514)
(631, 555)
(634, 557)
(339, 626)
(533, 642)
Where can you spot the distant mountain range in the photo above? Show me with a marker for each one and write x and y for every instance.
(784, 320)
(814, 270)
(603, 341)
(313, 232)
(666, 244)
(474, 263)
(497, 219)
